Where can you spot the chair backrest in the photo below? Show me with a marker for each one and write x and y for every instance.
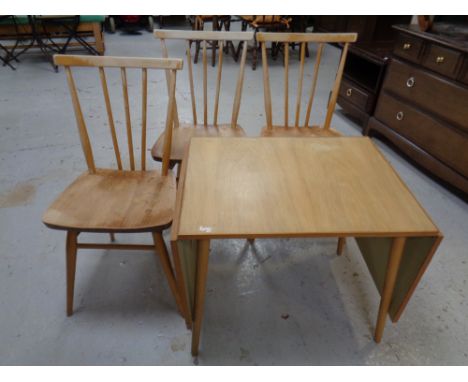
(303, 39)
(171, 65)
(203, 36)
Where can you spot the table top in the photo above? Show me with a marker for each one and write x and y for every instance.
(288, 187)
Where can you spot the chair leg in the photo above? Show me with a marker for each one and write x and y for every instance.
(197, 51)
(199, 26)
(341, 244)
(251, 241)
(112, 236)
(71, 248)
(229, 44)
(161, 251)
(274, 50)
(254, 53)
(233, 50)
(214, 44)
(237, 51)
(179, 168)
(213, 54)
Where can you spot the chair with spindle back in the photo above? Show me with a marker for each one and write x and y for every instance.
(117, 200)
(266, 23)
(182, 133)
(296, 129)
(217, 24)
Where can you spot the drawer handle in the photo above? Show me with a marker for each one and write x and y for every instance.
(440, 59)
(349, 92)
(399, 115)
(410, 82)
(406, 46)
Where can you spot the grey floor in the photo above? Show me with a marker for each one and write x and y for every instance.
(280, 302)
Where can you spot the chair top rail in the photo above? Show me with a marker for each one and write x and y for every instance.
(307, 37)
(118, 62)
(203, 35)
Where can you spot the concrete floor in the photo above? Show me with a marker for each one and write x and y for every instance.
(124, 313)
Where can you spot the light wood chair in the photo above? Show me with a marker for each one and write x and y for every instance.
(295, 129)
(117, 200)
(182, 133)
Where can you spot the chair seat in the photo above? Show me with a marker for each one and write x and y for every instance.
(112, 200)
(181, 138)
(313, 131)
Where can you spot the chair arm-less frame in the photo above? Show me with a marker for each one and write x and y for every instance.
(117, 200)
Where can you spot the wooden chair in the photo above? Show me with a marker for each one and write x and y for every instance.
(217, 24)
(117, 200)
(295, 129)
(266, 23)
(182, 133)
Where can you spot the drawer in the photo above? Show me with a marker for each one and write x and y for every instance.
(441, 141)
(355, 95)
(408, 47)
(443, 98)
(442, 60)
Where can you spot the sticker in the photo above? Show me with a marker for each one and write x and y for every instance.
(205, 229)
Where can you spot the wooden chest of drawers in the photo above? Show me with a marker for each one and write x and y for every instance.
(423, 103)
(362, 79)
(366, 60)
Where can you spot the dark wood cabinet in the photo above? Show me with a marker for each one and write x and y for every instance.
(362, 78)
(423, 103)
(366, 61)
(370, 29)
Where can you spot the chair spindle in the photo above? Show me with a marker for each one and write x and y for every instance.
(314, 84)
(336, 88)
(84, 138)
(266, 87)
(218, 83)
(169, 123)
(110, 117)
(192, 91)
(286, 84)
(144, 102)
(299, 86)
(240, 81)
(127, 118)
(166, 55)
(205, 86)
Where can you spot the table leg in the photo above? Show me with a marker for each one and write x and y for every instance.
(200, 286)
(396, 253)
(341, 244)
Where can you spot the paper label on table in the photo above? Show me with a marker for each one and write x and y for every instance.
(205, 229)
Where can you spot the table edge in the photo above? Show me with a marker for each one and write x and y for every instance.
(207, 235)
